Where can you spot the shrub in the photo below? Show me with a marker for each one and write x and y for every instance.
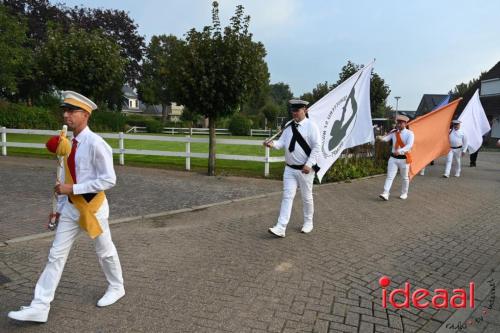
(21, 116)
(154, 126)
(239, 125)
(103, 120)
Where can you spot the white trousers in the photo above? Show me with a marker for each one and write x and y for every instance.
(66, 233)
(454, 154)
(392, 169)
(291, 180)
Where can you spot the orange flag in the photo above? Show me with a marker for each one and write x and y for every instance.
(431, 132)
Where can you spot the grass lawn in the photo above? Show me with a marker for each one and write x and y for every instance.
(223, 167)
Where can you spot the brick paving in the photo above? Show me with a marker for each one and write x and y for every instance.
(218, 270)
(139, 191)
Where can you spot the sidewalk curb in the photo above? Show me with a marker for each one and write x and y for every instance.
(143, 217)
(176, 211)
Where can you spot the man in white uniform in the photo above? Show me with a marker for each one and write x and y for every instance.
(458, 144)
(402, 142)
(88, 172)
(301, 141)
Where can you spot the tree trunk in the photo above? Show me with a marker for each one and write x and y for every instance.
(211, 147)
(163, 113)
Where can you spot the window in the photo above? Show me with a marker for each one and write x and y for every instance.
(132, 103)
(490, 87)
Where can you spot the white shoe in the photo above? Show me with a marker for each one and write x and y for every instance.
(446, 176)
(28, 313)
(403, 196)
(384, 196)
(111, 296)
(457, 175)
(277, 231)
(307, 228)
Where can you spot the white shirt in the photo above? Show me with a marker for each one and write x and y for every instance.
(310, 133)
(458, 138)
(93, 165)
(406, 136)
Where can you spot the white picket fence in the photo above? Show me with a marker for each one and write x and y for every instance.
(180, 130)
(122, 151)
(262, 132)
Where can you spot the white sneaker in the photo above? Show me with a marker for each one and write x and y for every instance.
(307, 228)
(457, 175)
(111, 296)
(28, 313)
(277, 231)
(403, 196)
(446, 176)
(384, 196)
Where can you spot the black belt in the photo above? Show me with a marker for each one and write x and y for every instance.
(296, 167)
(87, 196)
(456, 147)
(399, 157)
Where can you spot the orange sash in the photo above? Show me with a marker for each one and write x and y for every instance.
(400, 144)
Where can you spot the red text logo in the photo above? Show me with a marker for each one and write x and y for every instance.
(419, 298)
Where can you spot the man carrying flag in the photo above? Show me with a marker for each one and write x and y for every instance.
(301, 142)
(458, 143)
(402, 142)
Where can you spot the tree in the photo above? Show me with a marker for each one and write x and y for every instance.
(157, 78)
(115, 24)
(280, 94)
(461, 88)
(379, 91)
(270, 111)
(15, 55)
(220, 69)
(321, 90)
(86, 62)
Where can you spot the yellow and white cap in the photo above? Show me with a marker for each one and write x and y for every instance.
(74, 100)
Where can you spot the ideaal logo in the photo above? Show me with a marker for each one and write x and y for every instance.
(440, 298)
(461, 298)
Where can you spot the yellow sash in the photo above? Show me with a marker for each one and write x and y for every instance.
(88, 221)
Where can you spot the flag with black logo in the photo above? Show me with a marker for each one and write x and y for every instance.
(343, 117)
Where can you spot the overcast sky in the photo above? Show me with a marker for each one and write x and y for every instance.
(420, 46)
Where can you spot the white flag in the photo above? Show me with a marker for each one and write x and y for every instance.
(343, 117)
(474, 123)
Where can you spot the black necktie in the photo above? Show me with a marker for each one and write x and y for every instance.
(295, 132)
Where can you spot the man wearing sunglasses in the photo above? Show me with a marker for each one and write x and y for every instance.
(88, 172)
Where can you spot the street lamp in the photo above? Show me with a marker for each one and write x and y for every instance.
(397, 103)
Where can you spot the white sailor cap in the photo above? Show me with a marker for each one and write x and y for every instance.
(76, 101)
(297, 104)
(401, 117)
(456, 121)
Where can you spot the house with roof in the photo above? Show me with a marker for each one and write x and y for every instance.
(132, 105)
(428, 103)
(489, 95)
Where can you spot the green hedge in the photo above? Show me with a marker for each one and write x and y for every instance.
(20, 116)
(107, 121)
(358, 165)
